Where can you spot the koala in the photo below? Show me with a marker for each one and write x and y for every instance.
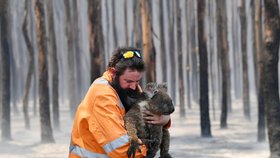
(156, 100)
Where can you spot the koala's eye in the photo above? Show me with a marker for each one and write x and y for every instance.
(155, 92)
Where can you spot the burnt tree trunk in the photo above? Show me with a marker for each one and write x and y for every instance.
(137, 25)
(223, 52)
(46, 129)
(96, 38)
(203, 70)
(72, 91)
(171, 19)
(125, 23)
(180, 61)
(148, 47)
(162, 42)
(246, 97)
(5, 69)
(55, 70)
(115, 36)
(30, 72)
(259, 48)
(270, 74)
(188, 66)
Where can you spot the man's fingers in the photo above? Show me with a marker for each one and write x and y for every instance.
(146, 112)
(148, 118)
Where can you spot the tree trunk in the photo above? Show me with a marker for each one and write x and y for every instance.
(72, 91)
(223, 51)
(212, 53)
(194, 53)
(252, 6)
(148, 47)
(259, 48)
(203, 70)
(180, 61)
(246, 97)
(125, 23)
(137, 25)
(115, 36)
(270, 74)
(96, 38)
(46, 129)
(5, 76)
(30, 72)
(236, 53)
(55, 70)
(172, 74)
(188, 66)
(162, 42)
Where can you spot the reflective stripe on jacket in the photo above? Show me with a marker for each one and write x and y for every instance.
(98, 130)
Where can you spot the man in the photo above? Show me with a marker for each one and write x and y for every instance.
(98, 129)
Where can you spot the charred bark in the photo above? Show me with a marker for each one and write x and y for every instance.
(5, 69)
(30, 72)
(203, 70)
(148, 47)
(46, 129)
(270, 75)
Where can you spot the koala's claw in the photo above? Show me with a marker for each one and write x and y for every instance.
(132, 149)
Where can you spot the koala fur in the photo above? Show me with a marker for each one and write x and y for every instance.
(156, 100)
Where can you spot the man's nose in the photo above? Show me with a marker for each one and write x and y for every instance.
(132, 86)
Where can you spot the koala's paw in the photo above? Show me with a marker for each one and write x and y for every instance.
(150, 143)
(165, 156)
(134, 145)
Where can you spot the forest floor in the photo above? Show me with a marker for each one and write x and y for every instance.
(239, 140)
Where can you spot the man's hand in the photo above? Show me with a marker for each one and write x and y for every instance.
(155, 119)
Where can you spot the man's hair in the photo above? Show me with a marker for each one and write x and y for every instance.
(121, 64)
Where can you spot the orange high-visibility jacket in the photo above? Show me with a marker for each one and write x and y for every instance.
(98, 129)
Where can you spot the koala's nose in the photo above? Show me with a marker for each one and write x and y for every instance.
(172, 109)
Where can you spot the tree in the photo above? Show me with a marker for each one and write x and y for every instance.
(54, 63)
(162, 41)
(115, 36)
(171, 19)
(188, 66)
(148, 47)
(125, 23)
(270, 75)
(180, 60)
(30, 72)
(96, 38)
(203, 70)
(71, 56)
(223, 53)
(5, 76)
(259, 69)
(46, 129)
(137, 25)
(246, 97)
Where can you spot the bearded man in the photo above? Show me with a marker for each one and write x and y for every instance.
(98, 129)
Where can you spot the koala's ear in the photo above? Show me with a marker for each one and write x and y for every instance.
(162, 87)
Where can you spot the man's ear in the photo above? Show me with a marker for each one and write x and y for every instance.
(112, 71)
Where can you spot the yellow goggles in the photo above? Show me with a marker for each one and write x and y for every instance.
(131, 54)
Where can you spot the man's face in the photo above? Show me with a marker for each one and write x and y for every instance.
(130, 79)
(126, 86)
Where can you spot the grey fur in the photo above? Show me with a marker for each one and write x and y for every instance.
(156, 100)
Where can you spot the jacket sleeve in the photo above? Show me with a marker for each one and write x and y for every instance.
(107, 125)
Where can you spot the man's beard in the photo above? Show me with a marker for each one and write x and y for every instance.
(128, 96)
